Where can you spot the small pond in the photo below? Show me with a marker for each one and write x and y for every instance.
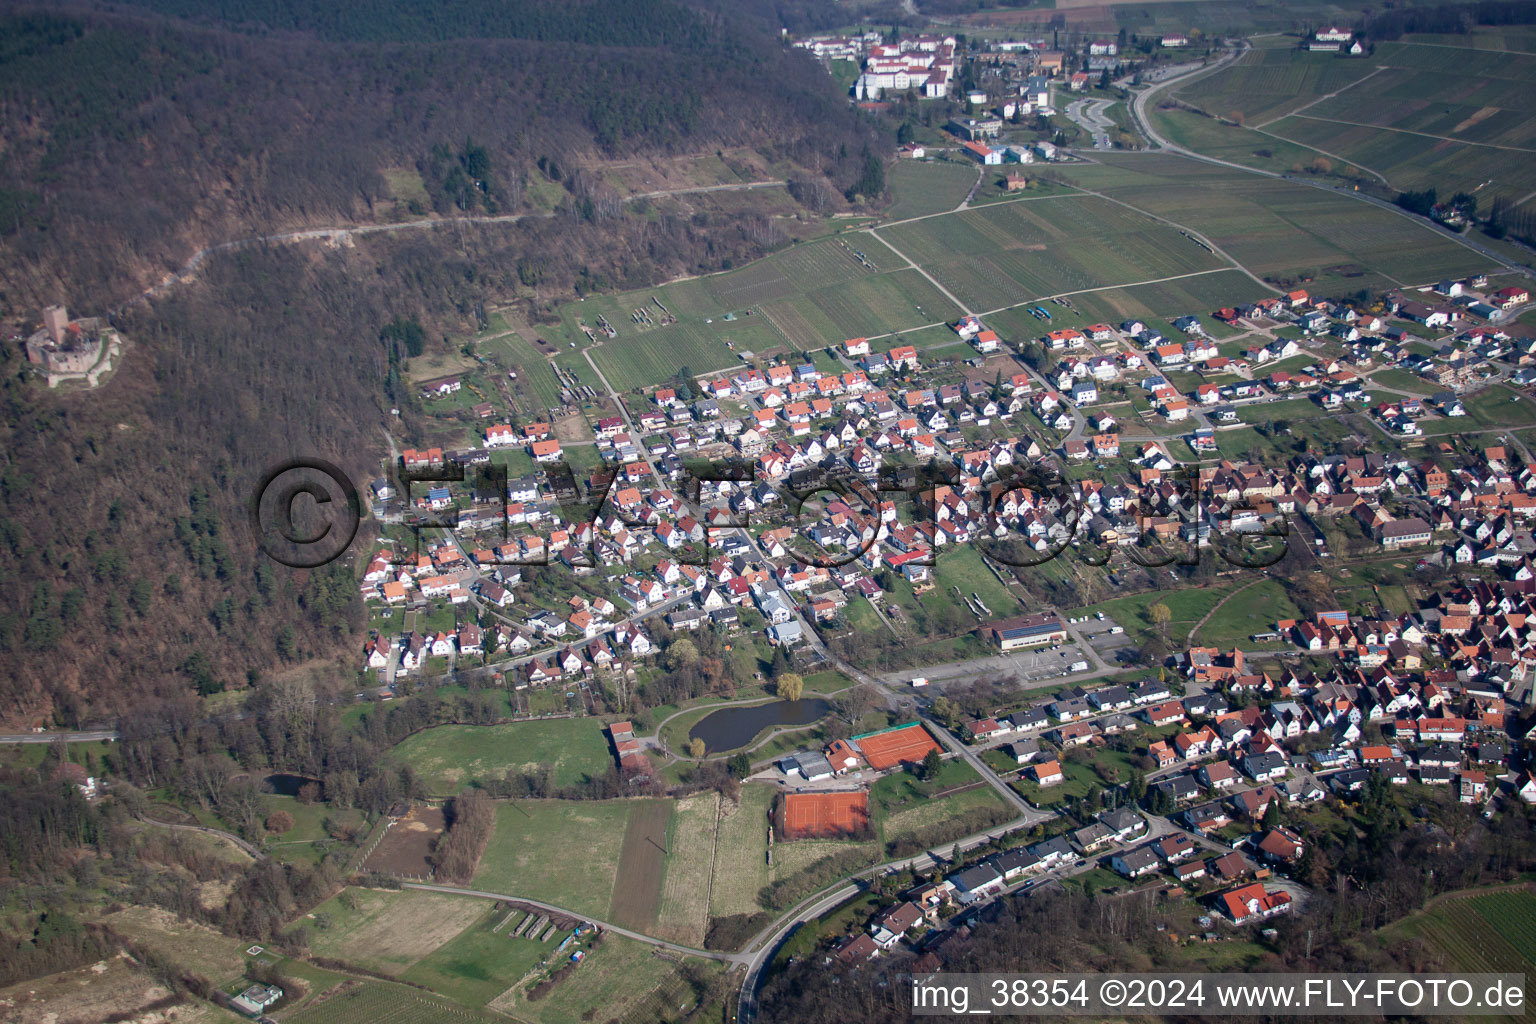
(286, 785)
(730, 728)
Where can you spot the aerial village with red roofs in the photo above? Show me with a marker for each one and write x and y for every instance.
(1317, 451)
(990, 484)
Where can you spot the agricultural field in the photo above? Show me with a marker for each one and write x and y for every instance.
(922, 188)
(1005, 254)
(482, 961)
(873, 305)
(1445, 115)
(619, 978)
(382, 1003)
(641, 862)
(1488, 931)
(741, 854)
(1264, 149)
(1270, 82)
(388, 931)
(515, 352)
(1285, 232)
(685, 889)
(447, 757)
(564, 852)
(1198, 294)
(652, 357)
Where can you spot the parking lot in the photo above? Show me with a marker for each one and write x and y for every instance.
(1105, 635)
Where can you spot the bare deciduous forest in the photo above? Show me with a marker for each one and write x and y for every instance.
(130, 140)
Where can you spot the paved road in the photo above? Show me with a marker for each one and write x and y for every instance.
(767, 942)
(88, 736)
(249, 848)
(1088, 114)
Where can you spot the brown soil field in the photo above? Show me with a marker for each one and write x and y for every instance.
(404, 848)
(637, 893)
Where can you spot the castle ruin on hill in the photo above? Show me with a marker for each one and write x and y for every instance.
(66, 349)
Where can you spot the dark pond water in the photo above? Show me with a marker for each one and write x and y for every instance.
(285, 785)
(730, 728)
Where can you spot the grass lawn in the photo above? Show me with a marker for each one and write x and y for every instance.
(1403, 380)
(741, 854)
(1499, 406)
(961, 565)
(905, 805)
(565, 852)
(1186, 606)
(1255, 610)
(449, 756)
(196, 947)
(901, 789)
(1080, 778)
(308, 839)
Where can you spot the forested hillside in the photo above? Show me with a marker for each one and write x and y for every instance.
(128, 141)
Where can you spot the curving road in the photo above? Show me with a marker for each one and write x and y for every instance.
(209, 830)
(453, 890)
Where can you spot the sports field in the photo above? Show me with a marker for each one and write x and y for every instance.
(892, 747)
(449, 756)
(826, 815)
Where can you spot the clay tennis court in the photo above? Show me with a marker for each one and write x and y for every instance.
(905, 744)
(825, 815)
